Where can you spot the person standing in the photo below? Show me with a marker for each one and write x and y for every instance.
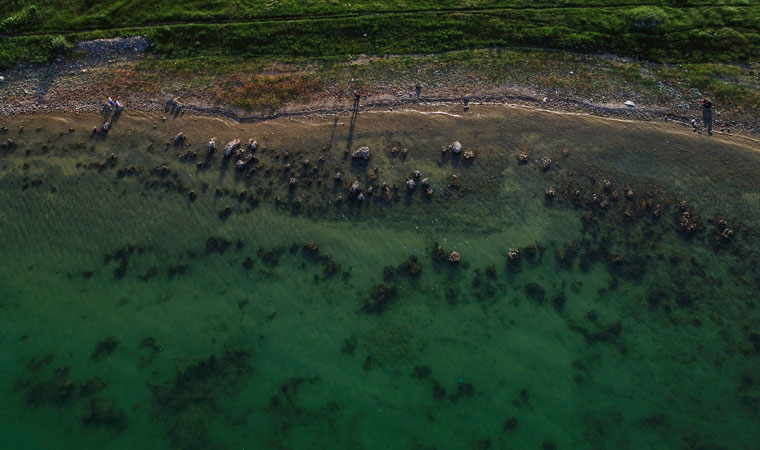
(707, 115)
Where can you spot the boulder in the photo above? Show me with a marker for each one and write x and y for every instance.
(231, 146)
(361, 153)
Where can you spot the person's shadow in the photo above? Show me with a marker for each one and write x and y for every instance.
(332, 133)
(352, 125)
(105, 111)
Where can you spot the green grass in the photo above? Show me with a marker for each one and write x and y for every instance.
(72, 15)
(34, 49)
(678, 35)
(725, 84)
(677, 31)
(23, 19)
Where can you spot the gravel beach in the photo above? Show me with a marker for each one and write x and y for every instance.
(107, 68)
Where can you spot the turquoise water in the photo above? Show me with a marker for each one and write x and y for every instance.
(133, 316)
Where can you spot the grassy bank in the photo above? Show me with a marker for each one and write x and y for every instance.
(79, 15)
(261, 56)
(691, 32)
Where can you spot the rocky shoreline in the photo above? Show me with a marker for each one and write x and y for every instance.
(153, 105)
(107, 67)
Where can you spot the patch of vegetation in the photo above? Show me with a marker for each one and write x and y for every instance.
(258, 91)
(685, 31)
(665, 33)
(734, 86)
(182, 404)
(20, 20)
(32, 49)
(77, 15)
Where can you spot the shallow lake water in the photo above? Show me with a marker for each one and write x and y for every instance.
(154, 297)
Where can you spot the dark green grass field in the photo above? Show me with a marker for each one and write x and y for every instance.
(57, 15)
(676, 31)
